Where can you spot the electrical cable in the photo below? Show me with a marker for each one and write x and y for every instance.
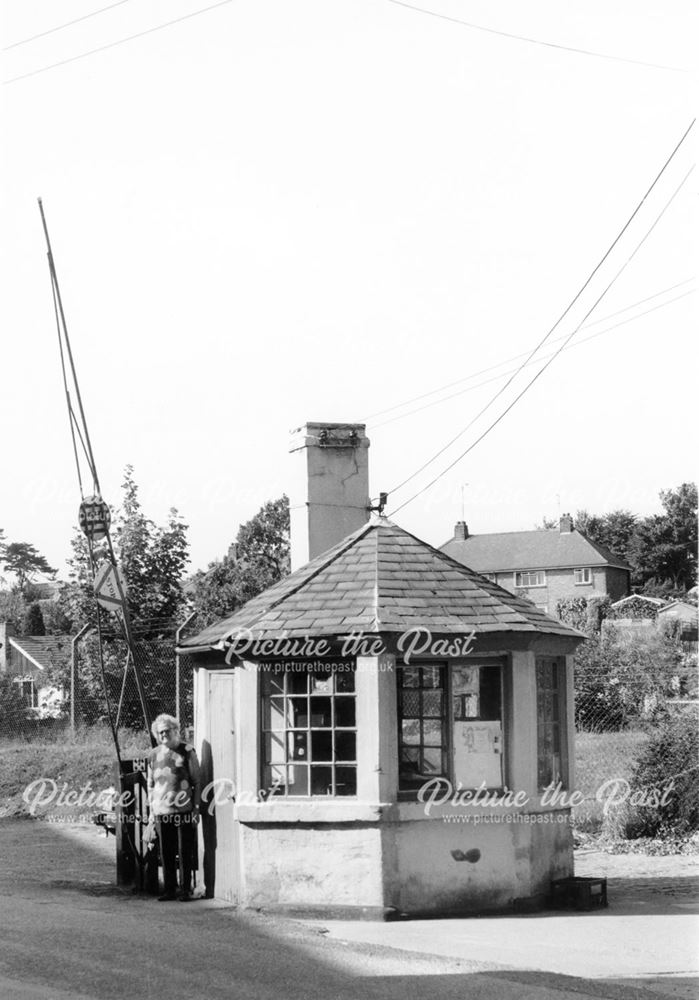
(554, 356)
(67, 24)
(535, 41)
(494, 378)
(515, 357)
(120, 41)
(560, 318)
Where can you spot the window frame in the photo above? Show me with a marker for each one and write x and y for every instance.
(529, 572)
(289, 732)
(500, 663)
(558, 722)
(586, 571)
(31, 697)
(445, 720)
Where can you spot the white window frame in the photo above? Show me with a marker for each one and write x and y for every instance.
(289, 725)
(584, 571)
(31, 696)
(538, 574)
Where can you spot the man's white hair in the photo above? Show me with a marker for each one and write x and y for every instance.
(168, 720)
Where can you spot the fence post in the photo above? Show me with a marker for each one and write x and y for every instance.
(178, 636)
(74, 670)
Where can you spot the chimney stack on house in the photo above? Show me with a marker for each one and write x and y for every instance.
(329, 495)
(566, 525)
(460, 531)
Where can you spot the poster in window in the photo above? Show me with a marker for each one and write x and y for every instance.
(478, 754)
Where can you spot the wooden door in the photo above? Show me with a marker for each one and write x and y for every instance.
(216, 741)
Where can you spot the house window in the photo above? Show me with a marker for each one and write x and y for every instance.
(551, 731)
(583, 575)
(422, 725)
(450, 724)
(27, 689)
(310, 729)
(531, 578)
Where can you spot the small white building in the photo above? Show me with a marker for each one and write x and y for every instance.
(384, 731)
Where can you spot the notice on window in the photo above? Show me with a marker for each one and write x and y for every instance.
(478, 753)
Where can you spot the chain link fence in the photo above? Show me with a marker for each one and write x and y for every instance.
(635, 725)
(66, 693)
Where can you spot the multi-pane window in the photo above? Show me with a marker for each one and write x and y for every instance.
(450, 724)
(583, 575)
(422, 721)
(310, 729)
(550, 710)
(531, 578)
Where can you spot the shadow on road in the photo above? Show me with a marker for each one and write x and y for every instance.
(68, 931)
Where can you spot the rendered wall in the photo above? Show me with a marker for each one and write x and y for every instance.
(375, 851)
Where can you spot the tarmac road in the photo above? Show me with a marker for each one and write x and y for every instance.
(66, 932)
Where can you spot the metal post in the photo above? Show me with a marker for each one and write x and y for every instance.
(178, 636)
(74, 670)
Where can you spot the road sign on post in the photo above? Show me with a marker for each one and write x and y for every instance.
(110, 587)
(94, 518)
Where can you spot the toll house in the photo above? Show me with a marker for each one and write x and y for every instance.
(384, 731)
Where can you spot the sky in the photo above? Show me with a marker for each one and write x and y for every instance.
(269, 213)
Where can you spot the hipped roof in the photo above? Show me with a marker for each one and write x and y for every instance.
(523, 550)
(381, 579)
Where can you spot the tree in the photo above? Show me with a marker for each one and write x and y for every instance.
(547, 524)
(25, 562)
(258, 558)
(153, 559)
(33, 623)
(614, 530)
(665, 546)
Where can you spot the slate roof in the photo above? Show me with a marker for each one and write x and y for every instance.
(381, 579)
(521, 550)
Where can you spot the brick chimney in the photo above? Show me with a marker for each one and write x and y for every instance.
(566, 524)
(329, 495)
(460, 531)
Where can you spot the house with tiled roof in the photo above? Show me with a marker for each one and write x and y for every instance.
(29, 659)
(382, 729)
(546, 566)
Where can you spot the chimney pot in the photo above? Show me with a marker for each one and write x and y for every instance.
(329, 498)
(460, 531)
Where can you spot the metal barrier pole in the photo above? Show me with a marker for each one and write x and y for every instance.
(178, 636)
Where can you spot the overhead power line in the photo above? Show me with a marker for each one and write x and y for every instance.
(553, 356)
(534, 41)
(67, 24)
(494, 378)
(515, 357)
(119, 41)
(562, 316)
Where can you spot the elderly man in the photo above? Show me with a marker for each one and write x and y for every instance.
(174, 792)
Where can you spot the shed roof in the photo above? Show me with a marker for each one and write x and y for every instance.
(521, 550)
(381, 579)
(41, 651)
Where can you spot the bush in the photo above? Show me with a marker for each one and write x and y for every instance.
(665, 779)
